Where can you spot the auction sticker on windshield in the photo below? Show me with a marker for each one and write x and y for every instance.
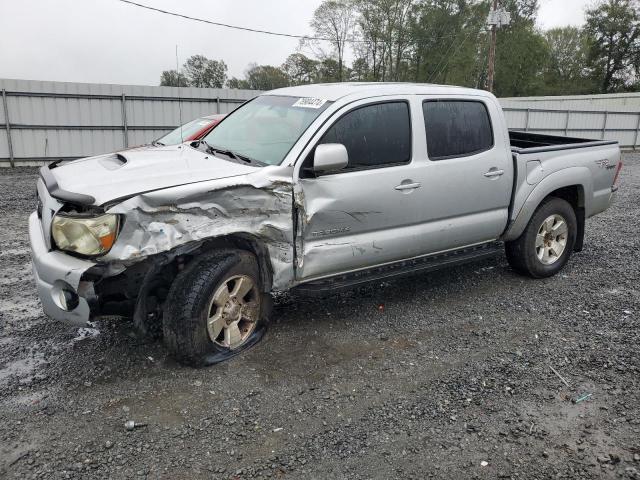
(309, 102)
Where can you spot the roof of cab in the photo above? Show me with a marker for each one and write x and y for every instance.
(335, 91)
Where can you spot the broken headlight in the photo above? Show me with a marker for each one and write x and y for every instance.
(89, 236)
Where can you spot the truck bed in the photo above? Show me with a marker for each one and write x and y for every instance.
(553, 160)
(527, 142)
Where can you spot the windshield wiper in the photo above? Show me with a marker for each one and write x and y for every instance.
(230, 153)
(156, 143)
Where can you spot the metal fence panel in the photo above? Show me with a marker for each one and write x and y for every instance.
(612, 101)
(51, 120)
(611, 116)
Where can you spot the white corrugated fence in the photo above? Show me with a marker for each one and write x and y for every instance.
(598, 117)
(45, 121)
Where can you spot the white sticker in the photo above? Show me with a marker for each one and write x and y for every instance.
(309, 102)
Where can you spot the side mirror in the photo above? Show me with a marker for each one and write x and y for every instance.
(330, 157)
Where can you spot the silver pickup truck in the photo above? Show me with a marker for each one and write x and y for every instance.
(314, 188)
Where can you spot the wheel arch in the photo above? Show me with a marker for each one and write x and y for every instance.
(158, 272)
(572, 184)
(236, 241)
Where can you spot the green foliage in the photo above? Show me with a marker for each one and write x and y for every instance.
(566, 71)
(447, 41)
(521, 55)
(197, 71)
(300, 69)
(202, 72)
(446, 34)
(173, 78)
(613, 32)
(266, 77)
(238, 83)
(334, 20)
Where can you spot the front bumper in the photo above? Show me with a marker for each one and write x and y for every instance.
(55, 271)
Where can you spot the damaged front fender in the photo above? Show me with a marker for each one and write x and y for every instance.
(257, 205)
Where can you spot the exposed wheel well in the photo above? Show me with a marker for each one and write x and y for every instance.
(141, 290)
(574, 194)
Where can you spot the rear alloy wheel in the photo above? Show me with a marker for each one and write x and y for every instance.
(216, 308)
(547, 242)
(551, 239)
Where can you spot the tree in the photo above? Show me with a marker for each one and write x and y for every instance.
(613, 30)
(237, 83)
(359, 70)
(384, 34)
(173, 78)
(265, 77)
(566, 69)
(329, 71)
(449, 45)
(521, 10)
(521, 56)
(202, 72)
(300, 69)
(335, 20)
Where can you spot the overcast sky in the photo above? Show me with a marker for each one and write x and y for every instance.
(106, 41)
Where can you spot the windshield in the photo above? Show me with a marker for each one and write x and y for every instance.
(174, 137)
(266, 128)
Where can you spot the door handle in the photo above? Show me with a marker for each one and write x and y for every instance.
(408, 186)
(494, 172)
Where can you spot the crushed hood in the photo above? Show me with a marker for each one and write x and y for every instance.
(130, 172)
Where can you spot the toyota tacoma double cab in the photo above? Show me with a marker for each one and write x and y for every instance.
(312, 188)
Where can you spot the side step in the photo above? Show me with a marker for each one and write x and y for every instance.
(327, 286)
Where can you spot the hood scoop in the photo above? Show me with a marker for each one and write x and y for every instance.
(113, 161)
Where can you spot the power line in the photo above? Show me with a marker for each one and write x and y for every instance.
(226, 25)
(445, 56)
(255, 30)
(437, 71)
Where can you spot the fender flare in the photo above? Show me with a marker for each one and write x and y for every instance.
(567, 177)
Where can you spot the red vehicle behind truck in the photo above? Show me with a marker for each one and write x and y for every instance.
(190, 131)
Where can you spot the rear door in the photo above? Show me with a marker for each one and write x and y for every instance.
(360, 216)
(466, 174)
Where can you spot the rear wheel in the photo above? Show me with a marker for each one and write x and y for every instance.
(546, 244)
(215, 308)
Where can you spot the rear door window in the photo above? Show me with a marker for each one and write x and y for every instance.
(456, 128)
(376, 135)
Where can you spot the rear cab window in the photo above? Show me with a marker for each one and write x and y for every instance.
(456, 128)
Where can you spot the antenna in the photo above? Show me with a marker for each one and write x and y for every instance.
(179, 102)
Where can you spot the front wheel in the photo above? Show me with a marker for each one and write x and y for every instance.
(215, 308)
(546, 244)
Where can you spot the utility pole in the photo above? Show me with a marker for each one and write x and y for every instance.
(496, 19)
(492, 50)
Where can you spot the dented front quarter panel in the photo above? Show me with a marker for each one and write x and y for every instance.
(258, 205)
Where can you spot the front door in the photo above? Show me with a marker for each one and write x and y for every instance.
(363, 215)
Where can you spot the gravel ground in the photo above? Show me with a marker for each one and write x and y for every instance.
(447, 375)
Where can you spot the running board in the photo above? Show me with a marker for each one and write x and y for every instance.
(438, 261)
